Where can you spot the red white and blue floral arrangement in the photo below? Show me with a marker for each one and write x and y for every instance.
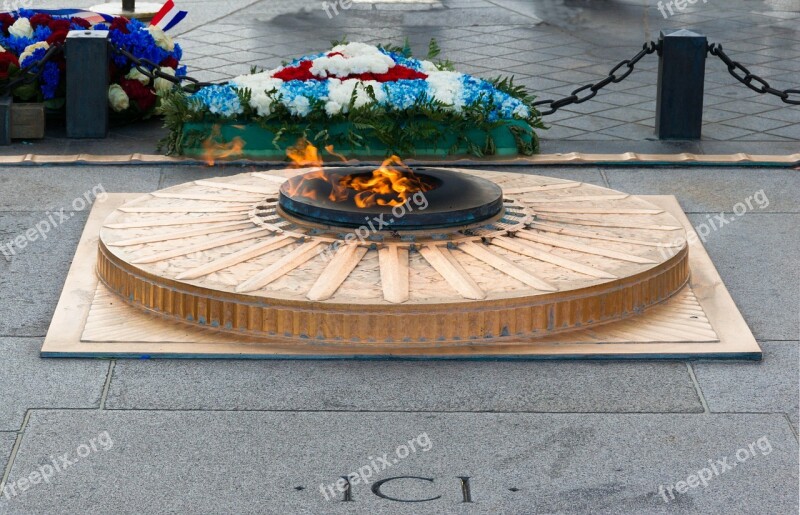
(379, 93)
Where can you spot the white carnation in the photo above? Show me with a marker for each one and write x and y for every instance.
(341, 91)
(521, 111)
(356, 58)
(446, 87)
(333, 108)
(262, 103)
(161, 38)
(259, 84)
(299, 106)
(21, 28)
(118, 99)
(428, 67)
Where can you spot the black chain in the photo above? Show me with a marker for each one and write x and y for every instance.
(575, 98)
(151, 70)
(33, 71)
(752, 81)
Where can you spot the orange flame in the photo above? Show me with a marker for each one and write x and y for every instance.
(399, 184)
(213, 150)
(390, 185)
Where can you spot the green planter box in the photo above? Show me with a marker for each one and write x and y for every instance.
(259, 140)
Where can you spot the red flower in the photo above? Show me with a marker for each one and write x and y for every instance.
(303, 72)
(59, 25)
(395, 73)
(7, 59)
(300, 72)
(335, 53)
(139, 93)
(82, 23)
(39, 19)
(121, 24)
(6, 20)
(170, 62)
(57, 37)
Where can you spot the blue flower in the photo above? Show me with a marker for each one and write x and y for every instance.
(50, 80)
(15, 44)
(222, 100)
(139, 42)
(41, 33)
(402, 94)
(311, 89)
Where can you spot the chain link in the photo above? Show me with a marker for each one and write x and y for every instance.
(575, 98)
(32, 72)
(152, 71)
(751, 80)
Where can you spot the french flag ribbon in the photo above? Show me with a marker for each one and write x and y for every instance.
(92, 17)
(168, 16)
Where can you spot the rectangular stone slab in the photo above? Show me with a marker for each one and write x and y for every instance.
(275, 462)
(126, 332)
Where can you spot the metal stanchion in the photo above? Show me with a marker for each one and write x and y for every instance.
(87, 83)
(681, 74)
(144, 11)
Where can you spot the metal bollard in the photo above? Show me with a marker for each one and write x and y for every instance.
(681, 77)
(5, 119)
(87, 83)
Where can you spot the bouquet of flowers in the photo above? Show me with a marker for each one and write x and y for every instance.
(26, 36)
(380, 90)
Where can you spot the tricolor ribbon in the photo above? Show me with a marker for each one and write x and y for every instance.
(168, 16)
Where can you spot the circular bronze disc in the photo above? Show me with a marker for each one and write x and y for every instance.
(565, 255)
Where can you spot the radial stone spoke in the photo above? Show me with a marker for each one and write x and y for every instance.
(393, 262)
(185, 233)
(581, 247)
(240, 256)
(218, 242)
(520, 247)
(281, 267)
(339, 268)
(451, 270)
(236, 187)
(504, 265)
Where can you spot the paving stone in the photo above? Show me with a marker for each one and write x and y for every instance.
(54, 188)
(276, 462)
(404, 386)
(6, 445)
(29, 382)
(32, 281)
(758, 123)
(769, 386)
(790, 131)
(714, 190)
(721, 132)
(758, 258)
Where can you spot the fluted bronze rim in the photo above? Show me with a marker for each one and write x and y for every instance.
(487, 320)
